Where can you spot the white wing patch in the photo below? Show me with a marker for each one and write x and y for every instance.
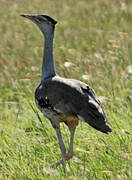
(93, 102)
(46, 98)
(81, 118)
(100, 110)
(40, 87)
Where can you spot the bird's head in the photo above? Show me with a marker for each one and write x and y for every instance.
(44, 22)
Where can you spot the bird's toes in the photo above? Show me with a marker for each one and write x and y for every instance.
(55, 165)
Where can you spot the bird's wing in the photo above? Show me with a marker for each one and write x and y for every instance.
(73, 97)
(61, 93)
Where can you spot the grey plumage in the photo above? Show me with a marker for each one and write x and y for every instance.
(75, 98)
(64, 100)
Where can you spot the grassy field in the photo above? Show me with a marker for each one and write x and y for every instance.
(93, 43)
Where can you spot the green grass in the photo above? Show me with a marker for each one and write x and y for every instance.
(95, 36)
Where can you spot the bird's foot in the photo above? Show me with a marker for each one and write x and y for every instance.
(55, 165)
(69, 155)
(58, 163)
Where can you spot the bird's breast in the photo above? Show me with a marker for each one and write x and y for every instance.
(54, 114)
(69, 120)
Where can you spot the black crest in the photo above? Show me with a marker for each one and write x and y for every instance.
(49, 18)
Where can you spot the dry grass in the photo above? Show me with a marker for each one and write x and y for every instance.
(95, 38)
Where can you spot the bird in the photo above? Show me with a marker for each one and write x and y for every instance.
(64, 100)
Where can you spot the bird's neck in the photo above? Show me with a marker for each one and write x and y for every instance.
(48, 69)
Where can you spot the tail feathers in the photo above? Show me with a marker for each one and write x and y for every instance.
(105, 129)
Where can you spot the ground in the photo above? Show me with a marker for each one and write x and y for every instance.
(93, 44)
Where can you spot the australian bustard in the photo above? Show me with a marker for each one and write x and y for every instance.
(61, 99)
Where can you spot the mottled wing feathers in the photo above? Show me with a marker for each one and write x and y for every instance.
(73, 97)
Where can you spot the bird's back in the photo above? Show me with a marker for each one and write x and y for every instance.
(69, 100)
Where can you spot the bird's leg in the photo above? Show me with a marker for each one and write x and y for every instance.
(62, 148)
(69, 155)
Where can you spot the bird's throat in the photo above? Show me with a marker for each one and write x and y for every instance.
(48, 69)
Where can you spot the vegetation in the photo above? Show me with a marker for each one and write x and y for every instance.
(93, 44)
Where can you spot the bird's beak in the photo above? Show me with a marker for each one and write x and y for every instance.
(29, 16)
(25, 15)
